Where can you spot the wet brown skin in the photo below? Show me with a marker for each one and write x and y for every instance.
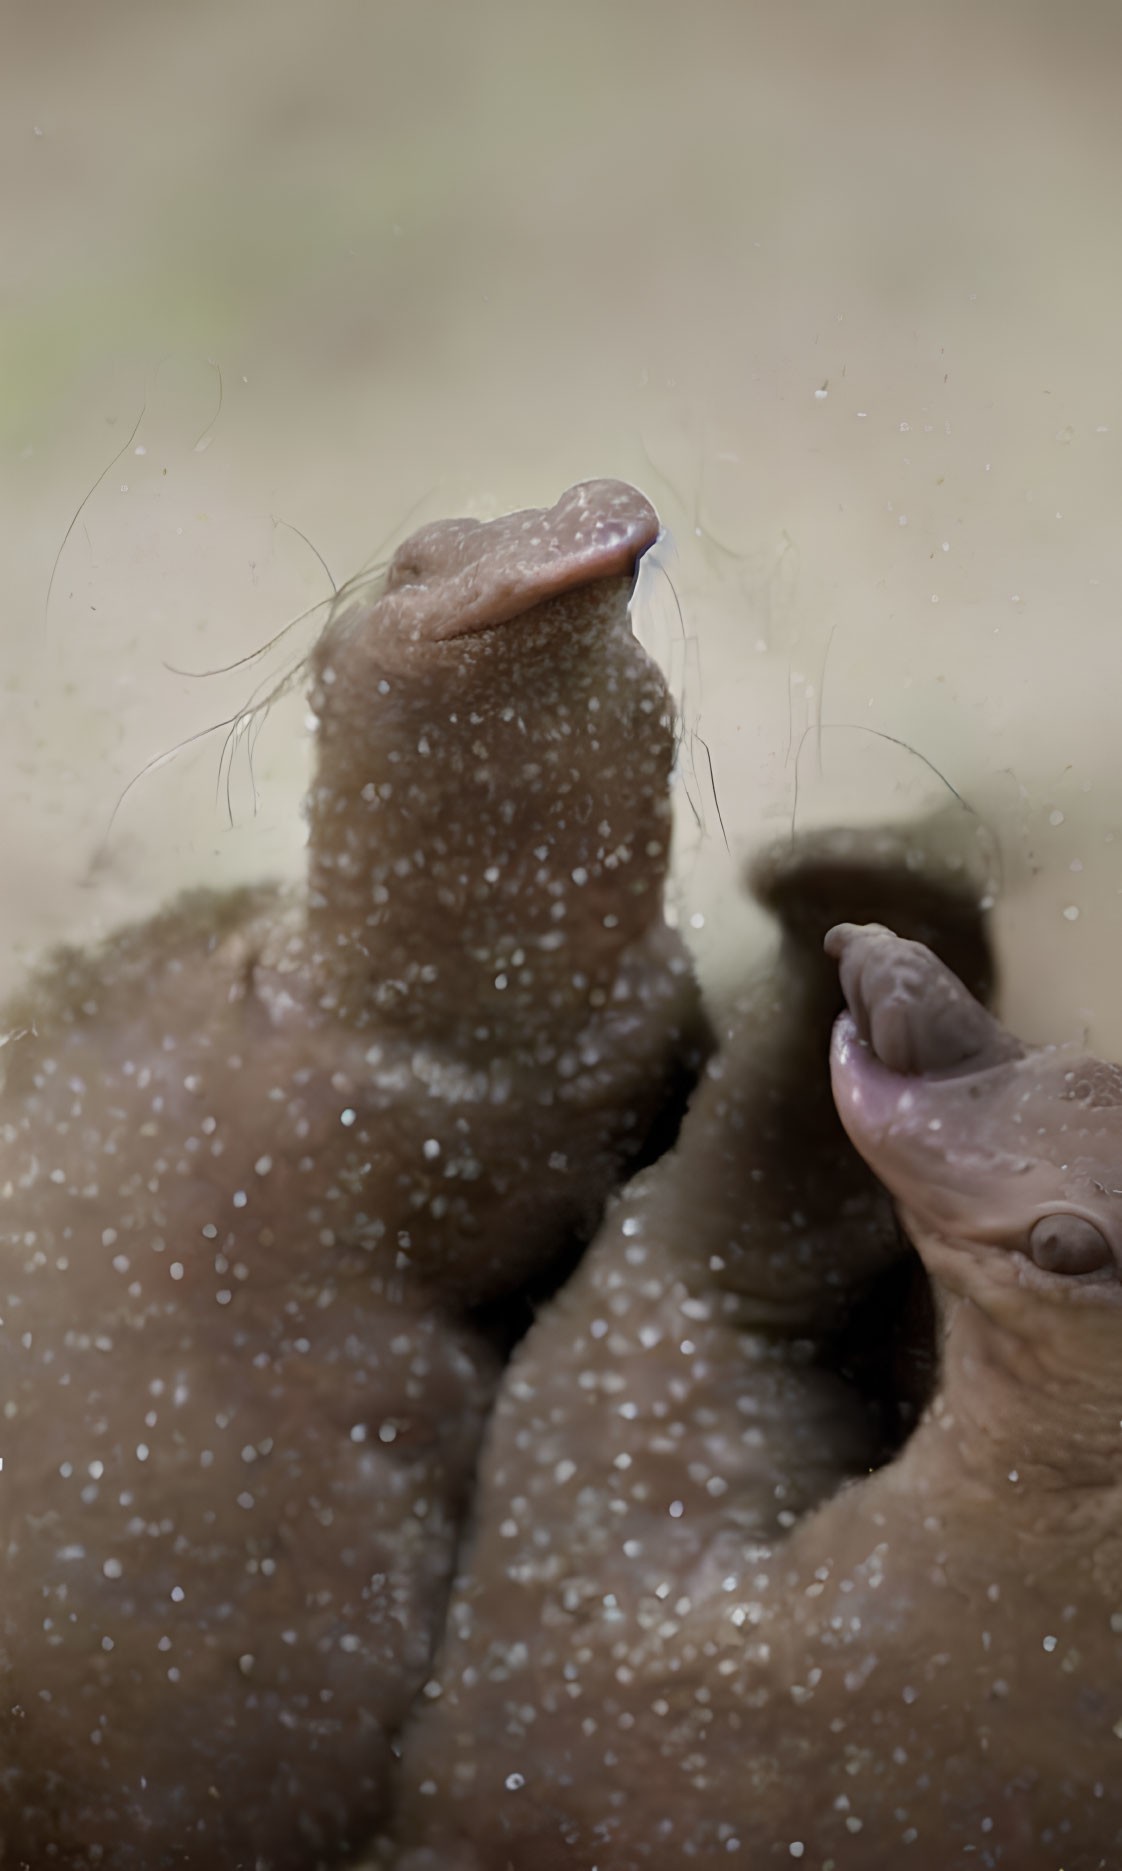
(644, 1665)
(261, 1161)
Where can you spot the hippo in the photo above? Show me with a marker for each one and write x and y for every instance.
(660, 1647)
(271, 1166)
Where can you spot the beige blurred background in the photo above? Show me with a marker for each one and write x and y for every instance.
(837, 284)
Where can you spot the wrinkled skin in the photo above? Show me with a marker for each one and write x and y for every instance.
(658, 1652)
(264, 1159)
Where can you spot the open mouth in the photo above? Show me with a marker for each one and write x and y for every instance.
(910, 1022)
(919, 1079)
(913, 1014)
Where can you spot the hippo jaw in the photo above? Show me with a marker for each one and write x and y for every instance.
(1006, 1162)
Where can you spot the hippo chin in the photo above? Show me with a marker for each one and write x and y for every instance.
(263, 1159)
(691, 1626)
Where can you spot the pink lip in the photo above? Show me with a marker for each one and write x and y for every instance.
(870, 1098)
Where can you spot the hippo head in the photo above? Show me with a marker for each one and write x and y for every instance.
(1005, 1160)
(494, 658)
(491, 800)
(459, 579)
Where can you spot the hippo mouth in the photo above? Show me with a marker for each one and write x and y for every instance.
(910, 1024)
(912, 1013)
(459, 578)
(933, 1091)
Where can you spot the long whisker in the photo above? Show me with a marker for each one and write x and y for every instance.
(125, 446)
(713, 789)
(223, 669)
(152, 766)
(314, 550)
(860, 727)
(257, 704)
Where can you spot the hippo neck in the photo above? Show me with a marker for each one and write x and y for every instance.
(480, 870)
(1012, 1428)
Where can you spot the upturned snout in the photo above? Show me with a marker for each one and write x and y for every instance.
(987, 1144)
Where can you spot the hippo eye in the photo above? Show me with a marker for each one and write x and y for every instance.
(1068, 1244)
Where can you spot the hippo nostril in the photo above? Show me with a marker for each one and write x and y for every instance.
(1068, 1244)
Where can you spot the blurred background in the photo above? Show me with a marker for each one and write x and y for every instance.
(837, 284)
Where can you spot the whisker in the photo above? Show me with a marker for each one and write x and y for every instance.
(223, 669)
(312, 549)
(125, 446)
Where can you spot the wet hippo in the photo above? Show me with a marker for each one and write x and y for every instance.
(262, 1162)
(634, 1672)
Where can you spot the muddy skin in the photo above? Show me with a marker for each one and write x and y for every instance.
(261, 1158)
(605, 1696)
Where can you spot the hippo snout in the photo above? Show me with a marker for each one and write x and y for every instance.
(983, 1140)
(911, 1011)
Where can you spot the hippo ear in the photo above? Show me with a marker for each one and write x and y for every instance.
(1068, 1244)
